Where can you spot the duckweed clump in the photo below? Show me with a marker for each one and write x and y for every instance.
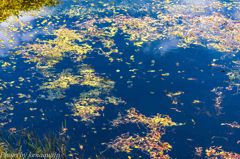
(150, 142)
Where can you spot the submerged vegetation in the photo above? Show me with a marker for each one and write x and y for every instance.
(92, 102)
(24, 145)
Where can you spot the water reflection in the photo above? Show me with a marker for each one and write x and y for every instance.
(16, 7)
(16, 21)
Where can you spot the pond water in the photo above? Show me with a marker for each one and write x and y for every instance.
(120, 79)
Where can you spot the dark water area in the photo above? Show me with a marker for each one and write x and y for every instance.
(194, 84)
